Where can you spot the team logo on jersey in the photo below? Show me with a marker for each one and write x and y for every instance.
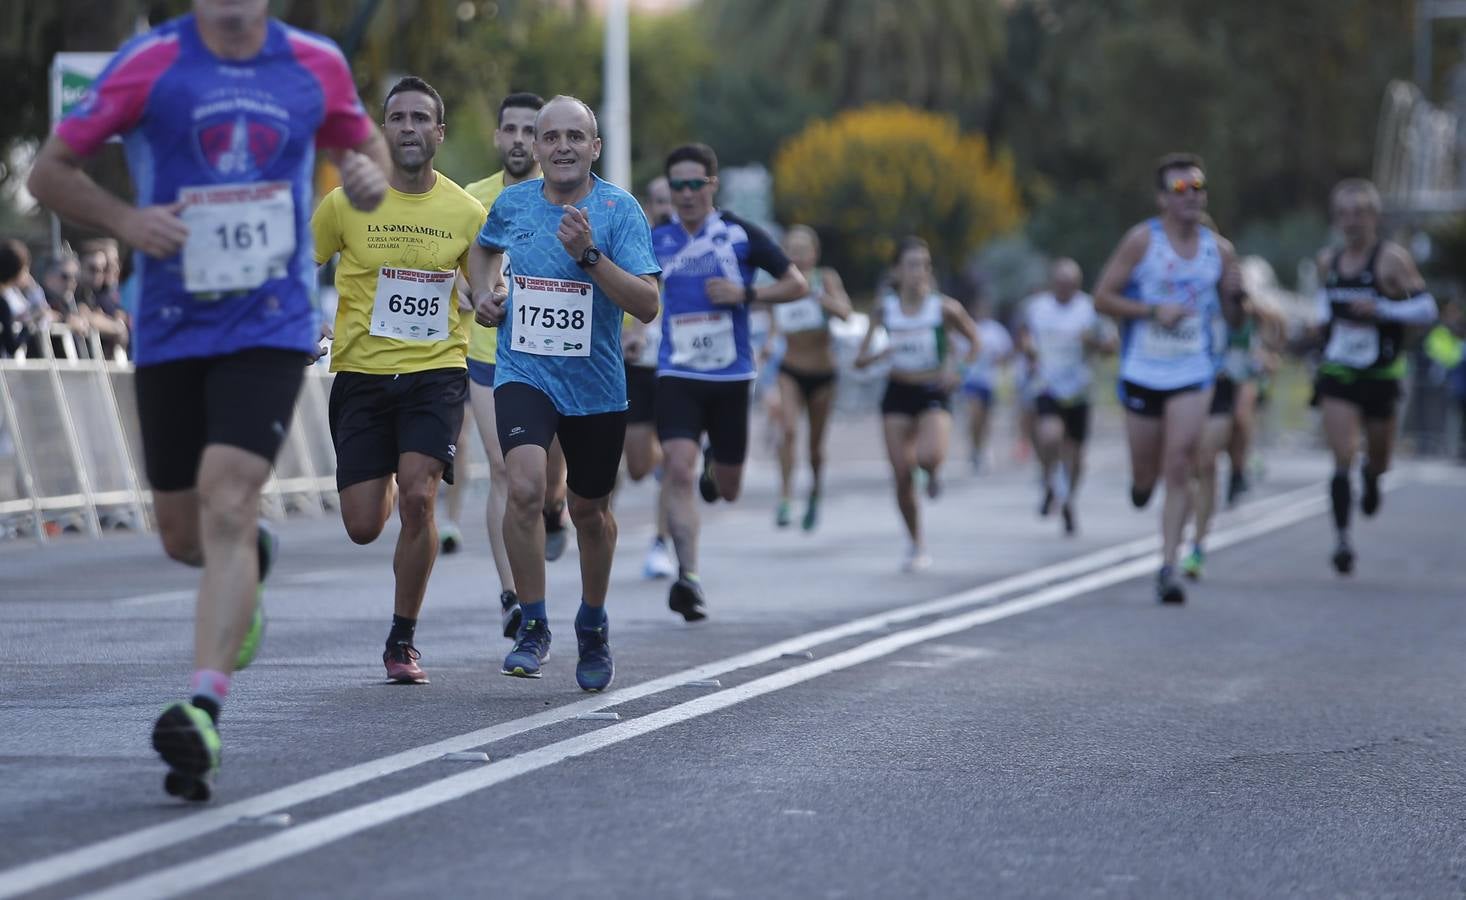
(237, 146)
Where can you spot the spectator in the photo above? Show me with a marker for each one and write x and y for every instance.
(99, 299)
(16, 315)
(59, 281)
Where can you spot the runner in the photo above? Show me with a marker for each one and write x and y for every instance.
(807, 372)
(1168, 282)
(581, 255)
(514, 139)
(397, 401)
(1372, 291)
(708, 257)
(1241, 367)
(640, 343)
(916, 411)
(1060, 330)
(221, 111)
(980, 380)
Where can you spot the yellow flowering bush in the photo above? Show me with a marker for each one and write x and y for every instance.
(870, 176)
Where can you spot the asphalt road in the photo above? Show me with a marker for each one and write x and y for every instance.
(1022, 720)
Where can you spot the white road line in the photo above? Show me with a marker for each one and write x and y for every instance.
(240, 860)
(151, 599)
(89, 858)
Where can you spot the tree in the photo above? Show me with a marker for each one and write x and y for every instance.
(868, 177)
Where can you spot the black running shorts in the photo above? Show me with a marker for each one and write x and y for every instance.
(905, 399)
(377, 418)
(641, 395)
(592, 444)
(242, 400)
(1151, 402)
(689, 407)
(1377, 398)
(1075, 415)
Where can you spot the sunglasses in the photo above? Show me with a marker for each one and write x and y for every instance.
(688, 184)
(1181, 186)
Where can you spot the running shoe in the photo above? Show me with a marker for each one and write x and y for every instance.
(1046, 505)
(1192, 563)
(917, 560)
(705, 483)
(269, 548)
(1070, 527)
(1369, 498)
(933, 485)
(783, 516)
(811, 513)
(510, 614)
(531, 647)
(1167, 589)
(251, 644)
(188, 741)
(659, 562)
(1343, 557)
(686, 599)
(557, 536)
(450, 538)
(1236, 487)
(401, 662)
(594, 670)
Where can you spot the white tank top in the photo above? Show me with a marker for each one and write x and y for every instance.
(806, 313)
(1168, 358)
(918, 342)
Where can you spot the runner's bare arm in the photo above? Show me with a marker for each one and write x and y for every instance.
(1109, 298)
(863, 357)
(636, 294)
(789, 286)
(1229, 287)
(958, 319)
(834, 299)
(364, 171)
(60, 183)
(1399, 277)
(484, 266)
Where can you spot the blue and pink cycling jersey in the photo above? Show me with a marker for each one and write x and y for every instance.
(236, 140)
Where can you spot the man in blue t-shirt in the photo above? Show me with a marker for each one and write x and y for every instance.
(580, 256)
(220, 112)
(706, 367)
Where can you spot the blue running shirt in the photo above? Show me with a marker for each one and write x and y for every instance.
(1164, 359)
(561, 333)
(699, 339)
(237, 139)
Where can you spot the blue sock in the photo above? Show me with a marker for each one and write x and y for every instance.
(535, 610)
(590, 617)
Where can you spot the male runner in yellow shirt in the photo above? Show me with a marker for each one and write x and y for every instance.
(513, 139)
(399, 350)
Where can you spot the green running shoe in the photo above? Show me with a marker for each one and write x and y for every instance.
(812, 513)
(783, 516)
(1192, 564)
(188, 741)
(269, 548)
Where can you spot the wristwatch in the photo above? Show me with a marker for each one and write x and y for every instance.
(590, 257)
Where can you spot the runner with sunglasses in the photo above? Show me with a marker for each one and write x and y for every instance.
(708, 258)
(1168, 283)
(1371, 292)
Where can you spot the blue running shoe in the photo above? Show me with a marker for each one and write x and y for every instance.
(594, 670)
(510, 614)
(531, 648)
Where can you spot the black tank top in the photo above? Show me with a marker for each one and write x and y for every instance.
(1351, 341)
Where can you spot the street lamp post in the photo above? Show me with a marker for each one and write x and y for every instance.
(616, 112)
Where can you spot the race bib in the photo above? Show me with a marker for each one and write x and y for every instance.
(800, 315)
(703, 341)
(239, 235)
(1188, 338)
(552, 316)
(914, 350)
(1352, 344)
(1237, 363)
(412, 305)
(1059, 350)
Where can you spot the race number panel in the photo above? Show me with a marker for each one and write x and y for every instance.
(1352, 344)
(1187, 338)
(914, 350)
(800, 315)
(239, 235)
(412, 305)
(703, 341)
(552, 316)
